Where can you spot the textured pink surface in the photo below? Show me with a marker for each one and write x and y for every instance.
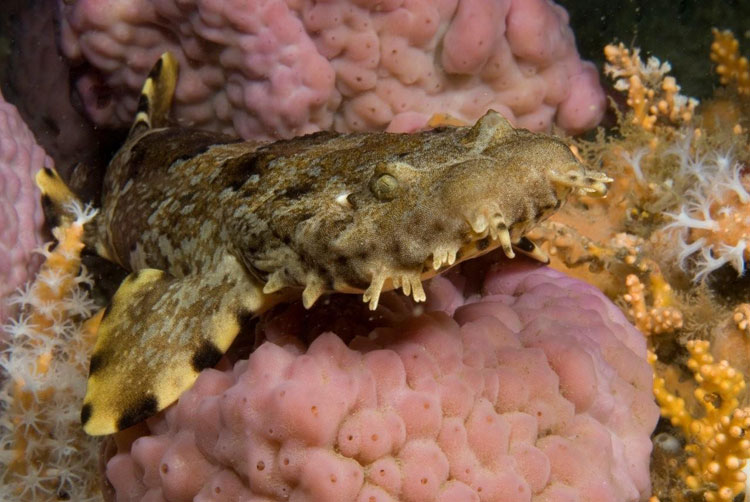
(21, 216)
(279, 68)
(538, 390)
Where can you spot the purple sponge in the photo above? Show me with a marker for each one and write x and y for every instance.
(538, 390)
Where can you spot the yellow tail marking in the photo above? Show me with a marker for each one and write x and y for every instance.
(157, 94)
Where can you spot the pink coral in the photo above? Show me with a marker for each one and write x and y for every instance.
(278, 68)
(21, 216)
(536, 390)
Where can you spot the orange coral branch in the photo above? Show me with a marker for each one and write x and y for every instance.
(717, 446)
(741, 317)
(730, 66)
(662, 316)
(651, 94)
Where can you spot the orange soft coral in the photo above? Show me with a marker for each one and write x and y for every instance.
(45, 455)
(714, 222)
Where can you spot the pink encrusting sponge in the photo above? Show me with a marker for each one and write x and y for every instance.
(270, 69)
(537, 390)
(21, 216)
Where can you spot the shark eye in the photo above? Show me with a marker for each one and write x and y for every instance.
(345, 200)
(384, 187)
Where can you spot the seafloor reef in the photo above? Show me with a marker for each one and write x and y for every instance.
(514, 381)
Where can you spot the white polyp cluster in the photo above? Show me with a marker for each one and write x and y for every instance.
(714, 219)
(82, 213)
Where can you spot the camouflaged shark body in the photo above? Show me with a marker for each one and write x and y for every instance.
(324, 212)
(216, 231)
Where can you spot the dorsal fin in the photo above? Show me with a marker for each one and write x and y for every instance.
(156, 95)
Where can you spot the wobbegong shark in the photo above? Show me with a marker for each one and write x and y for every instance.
(215, 230)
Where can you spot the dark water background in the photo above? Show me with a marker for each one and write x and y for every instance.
(678, 31)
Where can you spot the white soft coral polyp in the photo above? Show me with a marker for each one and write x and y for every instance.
(714, 220)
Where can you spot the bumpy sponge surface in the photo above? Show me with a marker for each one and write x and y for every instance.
(21, 216)
(269, 69)
(537, 389)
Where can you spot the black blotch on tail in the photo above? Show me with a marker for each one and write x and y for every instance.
(143, 104)
(156, 69)
(147, 407)
(206, 356)
(85, 413)
(50, 214)
(98, 361)
(525, 244)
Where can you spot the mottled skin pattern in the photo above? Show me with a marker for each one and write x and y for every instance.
(308, 211)
(160, 206)
(216, 231)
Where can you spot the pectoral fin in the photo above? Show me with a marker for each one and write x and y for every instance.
(156, 336)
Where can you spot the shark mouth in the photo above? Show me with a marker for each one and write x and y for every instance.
(488, 232)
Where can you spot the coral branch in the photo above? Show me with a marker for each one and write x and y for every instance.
(651, 93)
(741, 317)
(731, 67)
(662, 316)
(718, 448)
